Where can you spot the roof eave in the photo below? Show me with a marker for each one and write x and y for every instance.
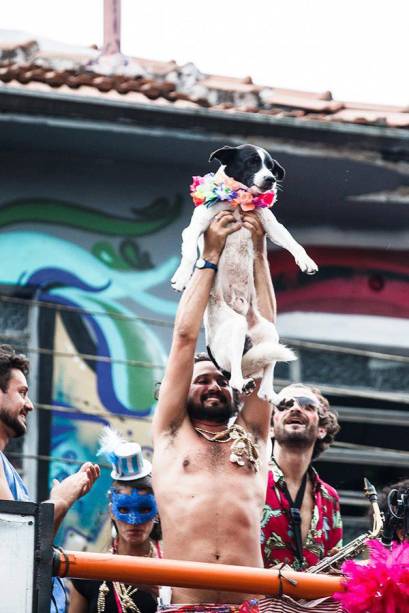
(237, 123)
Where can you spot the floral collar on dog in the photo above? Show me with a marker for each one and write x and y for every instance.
(213, 188)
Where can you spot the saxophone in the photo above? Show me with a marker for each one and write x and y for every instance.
(357, 545)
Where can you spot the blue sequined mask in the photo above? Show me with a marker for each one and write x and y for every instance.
(133, 508)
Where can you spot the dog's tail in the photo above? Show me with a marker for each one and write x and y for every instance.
(284, 354)
(257, 358)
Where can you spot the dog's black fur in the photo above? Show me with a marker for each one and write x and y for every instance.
(244, 162)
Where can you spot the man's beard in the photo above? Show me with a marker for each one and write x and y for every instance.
(12, 423)
(296, 440)
(217, 414)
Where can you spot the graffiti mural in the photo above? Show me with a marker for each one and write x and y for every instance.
(106, 359)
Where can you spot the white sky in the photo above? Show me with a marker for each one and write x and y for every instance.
(358, 49)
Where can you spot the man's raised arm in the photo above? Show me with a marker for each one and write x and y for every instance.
(171, 409)
(266, 299)
(256, 412)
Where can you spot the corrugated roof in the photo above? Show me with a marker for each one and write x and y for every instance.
(44, 65)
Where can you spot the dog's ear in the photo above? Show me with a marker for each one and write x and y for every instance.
(224, 155)
(278, 171)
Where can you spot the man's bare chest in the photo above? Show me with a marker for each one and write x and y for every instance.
(306, 508)
(213, 457)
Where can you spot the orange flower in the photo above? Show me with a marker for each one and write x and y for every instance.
(232, 184)
(197, 201)
(245, 201)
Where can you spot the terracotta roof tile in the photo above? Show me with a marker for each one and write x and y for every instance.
(229, 85)
(157, 67)
(367, 106)
(186, 104)
(394, 120)
(45, 66)
(301, 102)
(301, 94)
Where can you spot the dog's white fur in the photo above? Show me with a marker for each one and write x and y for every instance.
(232, 311)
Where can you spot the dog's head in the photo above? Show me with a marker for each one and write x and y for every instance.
(250, 165)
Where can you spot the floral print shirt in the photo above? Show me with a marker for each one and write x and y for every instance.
(277, 538)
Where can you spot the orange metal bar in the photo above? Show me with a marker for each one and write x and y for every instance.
(151, 571)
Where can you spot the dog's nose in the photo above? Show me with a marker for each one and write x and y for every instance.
(268, 182)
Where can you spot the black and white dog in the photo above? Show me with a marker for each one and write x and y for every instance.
(241, 341)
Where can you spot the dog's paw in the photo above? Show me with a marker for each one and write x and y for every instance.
(268, 394)
(306, 264)
(244, 386)
(181, 278)
(177, 285)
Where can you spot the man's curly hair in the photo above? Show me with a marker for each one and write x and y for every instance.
(10, 360)
(328, 419)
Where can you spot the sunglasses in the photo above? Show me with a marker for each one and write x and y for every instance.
(304, 402)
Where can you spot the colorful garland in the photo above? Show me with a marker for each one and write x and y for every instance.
(211, 189)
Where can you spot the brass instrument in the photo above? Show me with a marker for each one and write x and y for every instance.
(356, 546)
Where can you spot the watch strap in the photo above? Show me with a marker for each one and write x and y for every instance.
(206, 264)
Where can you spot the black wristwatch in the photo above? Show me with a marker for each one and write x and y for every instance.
(201, 263)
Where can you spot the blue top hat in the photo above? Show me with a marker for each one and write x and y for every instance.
(126, 458)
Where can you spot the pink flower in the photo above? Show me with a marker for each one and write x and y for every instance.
(195, 183)
(265, 200)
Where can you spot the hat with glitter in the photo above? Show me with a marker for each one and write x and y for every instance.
(126, 458)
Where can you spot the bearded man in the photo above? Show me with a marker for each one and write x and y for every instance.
(15, 405)
(301, 519)
(210, 477)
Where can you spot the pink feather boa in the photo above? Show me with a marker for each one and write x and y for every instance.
(382, 585)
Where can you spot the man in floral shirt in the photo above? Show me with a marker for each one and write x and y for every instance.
(301, 520)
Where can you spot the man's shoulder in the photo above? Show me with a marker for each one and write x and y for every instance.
(5, 465)
(176, 432)
(275, 474)
(327, 490)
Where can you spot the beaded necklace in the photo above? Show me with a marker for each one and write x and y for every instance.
(242, 448)
(122, 593)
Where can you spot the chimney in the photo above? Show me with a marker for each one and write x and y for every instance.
(112, 27)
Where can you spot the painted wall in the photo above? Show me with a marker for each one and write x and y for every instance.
(99, 237)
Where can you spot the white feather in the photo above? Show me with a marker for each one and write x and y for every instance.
(109, 440)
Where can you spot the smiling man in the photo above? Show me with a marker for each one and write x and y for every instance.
(15, 405)
(209, 475)
(301, 519)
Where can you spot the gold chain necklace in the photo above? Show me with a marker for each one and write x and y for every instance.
(242, 449)
(123, 592)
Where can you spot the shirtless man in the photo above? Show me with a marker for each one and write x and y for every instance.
(209, 504)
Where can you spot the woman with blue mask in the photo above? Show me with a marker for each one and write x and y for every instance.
(135, 531)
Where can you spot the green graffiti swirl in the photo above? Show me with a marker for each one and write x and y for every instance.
(146, 220)
(130, 256)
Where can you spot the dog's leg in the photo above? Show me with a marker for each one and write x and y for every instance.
(226, 333)
(266, 389)
(264, 354)
(279, 235)
(201, 219)
(235, 337)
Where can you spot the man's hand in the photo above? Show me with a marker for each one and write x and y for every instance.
(215, 236)
(252, 222)
(64, 493)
